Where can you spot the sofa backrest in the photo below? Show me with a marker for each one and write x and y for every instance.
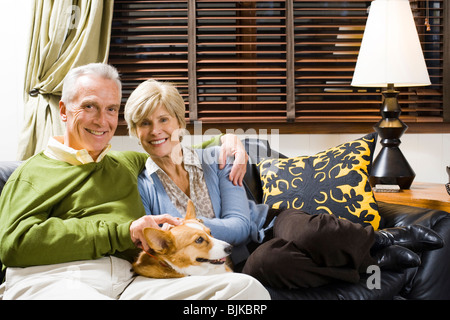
(257, 150)
(6, 169)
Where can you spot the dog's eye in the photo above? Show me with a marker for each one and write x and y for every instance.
(199, 240)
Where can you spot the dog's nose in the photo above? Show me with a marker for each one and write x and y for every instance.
(228, 249)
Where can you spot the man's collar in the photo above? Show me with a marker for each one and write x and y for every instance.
(56, 149)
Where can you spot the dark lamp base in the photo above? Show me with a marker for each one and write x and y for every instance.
(391, 167)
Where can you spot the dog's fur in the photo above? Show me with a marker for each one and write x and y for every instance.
(183, 250)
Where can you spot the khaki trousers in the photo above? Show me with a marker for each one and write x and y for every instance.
(112, 278)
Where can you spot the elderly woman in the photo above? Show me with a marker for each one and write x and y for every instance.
(155, 114)
(294, 256)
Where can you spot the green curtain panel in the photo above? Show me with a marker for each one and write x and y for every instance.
(64, 34)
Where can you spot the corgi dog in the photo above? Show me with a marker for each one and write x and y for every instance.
(183, 250)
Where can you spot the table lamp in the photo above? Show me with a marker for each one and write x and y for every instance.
(390, 56)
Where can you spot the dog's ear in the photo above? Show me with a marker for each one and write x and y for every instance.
(190, 212)
(159, 240)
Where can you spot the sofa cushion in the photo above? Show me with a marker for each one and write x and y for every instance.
(391, 286)
(334, 181)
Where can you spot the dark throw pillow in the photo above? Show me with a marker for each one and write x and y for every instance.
(335, 181)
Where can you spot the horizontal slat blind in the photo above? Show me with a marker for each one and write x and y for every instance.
(241, 61)
(267, 62)
(149, 39)
(327, 39)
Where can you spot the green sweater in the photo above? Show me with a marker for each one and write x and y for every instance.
(53, 212)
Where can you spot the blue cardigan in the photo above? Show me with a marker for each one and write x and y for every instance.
(237, 219)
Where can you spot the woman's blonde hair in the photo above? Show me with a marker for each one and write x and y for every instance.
(148, 96)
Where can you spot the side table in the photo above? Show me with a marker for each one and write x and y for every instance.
(421, 194)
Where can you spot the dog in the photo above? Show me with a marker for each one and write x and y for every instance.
(183, 250)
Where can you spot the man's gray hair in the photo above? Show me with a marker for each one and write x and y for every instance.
(99, 69)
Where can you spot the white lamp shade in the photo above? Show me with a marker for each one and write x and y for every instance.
(390, 51)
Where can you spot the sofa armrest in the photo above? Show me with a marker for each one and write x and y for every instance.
(396, 215)
(6, 168)
(431, 280)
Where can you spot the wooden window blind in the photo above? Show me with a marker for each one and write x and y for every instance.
(284, 64)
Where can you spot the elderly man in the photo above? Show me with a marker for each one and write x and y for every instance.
(71, 217)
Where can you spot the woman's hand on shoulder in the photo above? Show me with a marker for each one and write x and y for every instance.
(233, 147)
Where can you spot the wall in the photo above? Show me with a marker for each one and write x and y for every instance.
(428, 154)
(14, 29)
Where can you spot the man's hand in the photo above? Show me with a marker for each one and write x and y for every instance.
(137, 227)
(233, 147)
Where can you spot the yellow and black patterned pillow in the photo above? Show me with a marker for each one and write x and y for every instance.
(335, 181)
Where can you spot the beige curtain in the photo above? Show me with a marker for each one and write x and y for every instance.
(65, 34)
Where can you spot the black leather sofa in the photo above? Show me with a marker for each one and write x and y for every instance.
(429, 281)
